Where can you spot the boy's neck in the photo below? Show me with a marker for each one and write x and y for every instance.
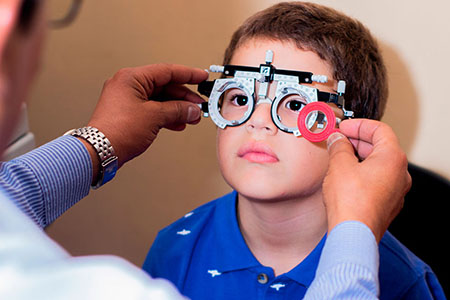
(281, 234)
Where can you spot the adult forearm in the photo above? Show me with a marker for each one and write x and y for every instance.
(348, 267)
(47, 181)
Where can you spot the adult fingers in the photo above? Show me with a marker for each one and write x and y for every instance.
(159, 75)
(340, 150)
(369, 135)
(178, 92)
(361, 129)
(175, 114)
(362, 148)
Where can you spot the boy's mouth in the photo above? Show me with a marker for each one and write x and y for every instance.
(257, 153)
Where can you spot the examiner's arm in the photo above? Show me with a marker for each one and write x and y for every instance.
(348, 266)
(49, 180)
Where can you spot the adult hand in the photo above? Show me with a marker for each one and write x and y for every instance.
(367, 177)
(130, 121)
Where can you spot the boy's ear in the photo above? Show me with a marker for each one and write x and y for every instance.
(9, 10)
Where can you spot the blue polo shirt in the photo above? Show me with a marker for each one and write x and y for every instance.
(205, 255)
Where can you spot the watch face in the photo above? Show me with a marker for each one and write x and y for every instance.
(108, 171)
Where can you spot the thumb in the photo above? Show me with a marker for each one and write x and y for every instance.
(176, 113)
(340, 150)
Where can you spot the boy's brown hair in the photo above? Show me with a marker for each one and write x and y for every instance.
(341, 41)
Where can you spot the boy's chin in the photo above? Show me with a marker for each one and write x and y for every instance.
(269, 195)
(262, 191)
(258, 197)
(254, 191)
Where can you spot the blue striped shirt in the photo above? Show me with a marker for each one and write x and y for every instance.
(46, 182)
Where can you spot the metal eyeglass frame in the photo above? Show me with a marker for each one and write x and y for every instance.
(289, 83)
(70, 16)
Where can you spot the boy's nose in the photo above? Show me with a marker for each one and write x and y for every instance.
(261, 121)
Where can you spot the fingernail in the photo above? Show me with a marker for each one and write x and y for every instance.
(193, 114)
(333, 138)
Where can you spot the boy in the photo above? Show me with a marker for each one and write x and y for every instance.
(265, 238)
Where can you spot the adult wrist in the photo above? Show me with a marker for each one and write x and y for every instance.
(104, 159)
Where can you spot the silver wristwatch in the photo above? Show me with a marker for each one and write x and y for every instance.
(108, 160)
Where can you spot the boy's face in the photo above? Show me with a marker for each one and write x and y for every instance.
(257, 159)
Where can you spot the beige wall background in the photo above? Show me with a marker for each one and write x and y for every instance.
(180, 172)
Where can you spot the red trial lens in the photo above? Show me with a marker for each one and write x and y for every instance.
(316, 122)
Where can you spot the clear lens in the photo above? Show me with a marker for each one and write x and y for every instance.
(316, 121)
(58, 9)
(233, 105)
(289, 108)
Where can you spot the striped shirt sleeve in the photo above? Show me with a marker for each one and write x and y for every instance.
(47, 181)
(348, 267)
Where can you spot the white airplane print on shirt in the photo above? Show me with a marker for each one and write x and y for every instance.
(277, 286)
(214, 273)
(183, 232)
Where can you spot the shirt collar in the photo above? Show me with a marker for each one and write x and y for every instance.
(305, 272)
(232, 253)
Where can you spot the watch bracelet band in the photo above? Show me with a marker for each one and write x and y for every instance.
(104, 150)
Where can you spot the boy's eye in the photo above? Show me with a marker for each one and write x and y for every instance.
(295, 105)
(240, 100)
